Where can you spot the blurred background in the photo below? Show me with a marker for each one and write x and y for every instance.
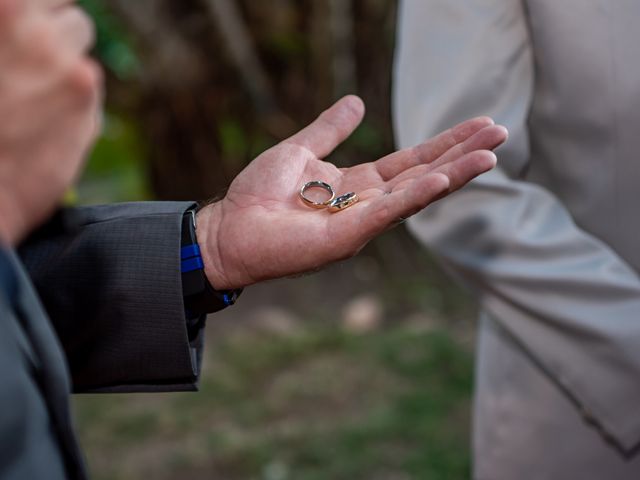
(363, 371)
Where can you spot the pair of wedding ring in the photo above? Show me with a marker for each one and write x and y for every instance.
(334, 204)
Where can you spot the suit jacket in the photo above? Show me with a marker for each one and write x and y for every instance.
(108, 317)
(549, 240)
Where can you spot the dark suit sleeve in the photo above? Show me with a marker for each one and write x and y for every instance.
(109, 277)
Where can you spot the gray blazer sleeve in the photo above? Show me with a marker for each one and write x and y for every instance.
(109, 277)
(566, 297)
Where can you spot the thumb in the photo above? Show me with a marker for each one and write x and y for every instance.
(331, 128)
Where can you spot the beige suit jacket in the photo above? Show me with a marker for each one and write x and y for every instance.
(550, 241)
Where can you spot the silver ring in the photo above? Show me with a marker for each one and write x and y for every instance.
(317, 184)
(343, 202)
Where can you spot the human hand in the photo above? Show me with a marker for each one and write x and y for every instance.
(50, 96)
(262, 230)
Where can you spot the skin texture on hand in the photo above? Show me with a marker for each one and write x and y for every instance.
(50, 102)
(262, 230)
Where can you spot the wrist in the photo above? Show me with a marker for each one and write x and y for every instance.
(208, 223)
(200, 298)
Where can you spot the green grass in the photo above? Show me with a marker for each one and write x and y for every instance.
(320, 404)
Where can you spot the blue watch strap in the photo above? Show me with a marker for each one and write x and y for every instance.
(200, 296)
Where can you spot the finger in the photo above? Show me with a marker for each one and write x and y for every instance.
(488, 138)
(466, 168)
(76, 30)
(414, 194)
(409, 198)
(396, 163)
(331, 128)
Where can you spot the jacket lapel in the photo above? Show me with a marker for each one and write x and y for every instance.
(50, 366)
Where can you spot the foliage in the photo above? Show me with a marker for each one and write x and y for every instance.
(115, 170)
(113, 47)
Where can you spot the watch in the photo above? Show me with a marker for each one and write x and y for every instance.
(200, 297)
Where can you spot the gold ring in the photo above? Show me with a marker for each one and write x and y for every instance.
(343, 202)
(317, 184)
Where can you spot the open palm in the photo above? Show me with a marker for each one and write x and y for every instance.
(262, 230)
